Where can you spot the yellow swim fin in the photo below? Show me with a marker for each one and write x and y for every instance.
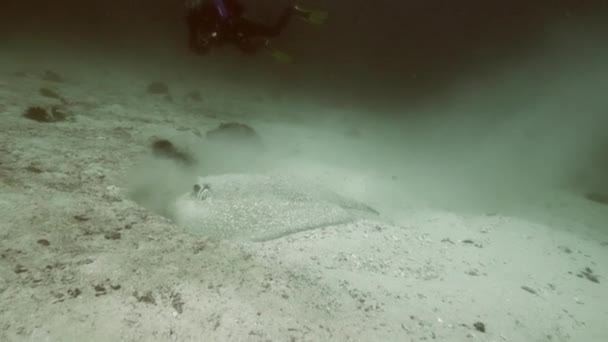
(315, 17)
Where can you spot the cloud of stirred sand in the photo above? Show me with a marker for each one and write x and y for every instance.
(508, 130)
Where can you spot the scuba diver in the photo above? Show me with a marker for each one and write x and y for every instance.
(213, 23)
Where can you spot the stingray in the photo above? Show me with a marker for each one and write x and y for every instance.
(254, 207)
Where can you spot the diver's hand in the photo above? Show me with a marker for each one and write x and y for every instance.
(316, 17)
(259, 41)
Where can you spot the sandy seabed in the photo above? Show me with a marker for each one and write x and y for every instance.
(81, 261)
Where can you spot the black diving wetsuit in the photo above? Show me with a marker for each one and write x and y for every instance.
(210, 25)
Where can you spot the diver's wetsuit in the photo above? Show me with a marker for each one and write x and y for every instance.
(210, 24)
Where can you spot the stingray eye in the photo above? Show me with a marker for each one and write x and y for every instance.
(196, 189)
(201, 192)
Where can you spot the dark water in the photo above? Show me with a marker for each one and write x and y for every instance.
(394, 51)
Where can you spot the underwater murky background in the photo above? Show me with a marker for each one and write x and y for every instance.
(420, 170)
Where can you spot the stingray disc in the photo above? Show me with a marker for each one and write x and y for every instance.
(260, 208)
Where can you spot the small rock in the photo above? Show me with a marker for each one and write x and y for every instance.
(112, 236)
(147, 297)
(479, 326)
(473, 272)
(20, 269)
(81, 217)
(44, 242)
(40, 114)
(471, 242)
(529, 289)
